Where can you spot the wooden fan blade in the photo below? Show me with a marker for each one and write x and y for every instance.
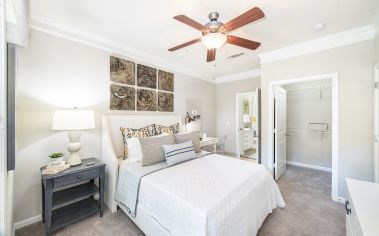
(184, 45)
(245, 43)
(188, 21)
(244, 19)
(211, 54)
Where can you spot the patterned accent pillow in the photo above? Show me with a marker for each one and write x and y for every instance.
(178, 153)
(161, 129)
(146, 131)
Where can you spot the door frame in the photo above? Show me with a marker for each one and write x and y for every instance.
(237, 120)
(335, 124)
(4, 226)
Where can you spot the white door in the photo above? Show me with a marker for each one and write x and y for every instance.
(280, 131)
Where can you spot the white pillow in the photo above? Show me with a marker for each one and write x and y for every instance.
(134, 150)
(178, 153)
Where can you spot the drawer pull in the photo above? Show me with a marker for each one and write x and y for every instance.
(348, 211)
(79, 176)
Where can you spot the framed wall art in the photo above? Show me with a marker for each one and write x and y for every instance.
(146, 77)
(122, 71)
(122, 97)
(146, 100)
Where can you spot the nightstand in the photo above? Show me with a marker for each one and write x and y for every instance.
(68, 196)
(209, 142)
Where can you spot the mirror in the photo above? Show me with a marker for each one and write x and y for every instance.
(193, 109)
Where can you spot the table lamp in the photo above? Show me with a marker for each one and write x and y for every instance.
(73, 121)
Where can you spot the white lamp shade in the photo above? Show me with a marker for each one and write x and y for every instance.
(214, 40)
(73, 120)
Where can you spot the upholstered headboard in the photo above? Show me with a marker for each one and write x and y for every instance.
(134, 121)
(112, 144)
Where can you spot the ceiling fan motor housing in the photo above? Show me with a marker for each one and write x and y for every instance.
(214, 26)
(213, 16)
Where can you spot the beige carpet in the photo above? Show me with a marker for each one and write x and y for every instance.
(309, 211)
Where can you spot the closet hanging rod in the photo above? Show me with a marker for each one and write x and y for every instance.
(312, 88)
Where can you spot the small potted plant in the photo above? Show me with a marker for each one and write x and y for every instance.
(56, 158)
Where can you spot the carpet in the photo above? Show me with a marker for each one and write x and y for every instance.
(309, 211)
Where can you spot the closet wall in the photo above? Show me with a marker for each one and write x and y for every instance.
(309, 119)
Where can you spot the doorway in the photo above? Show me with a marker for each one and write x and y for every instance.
(248, 126)
(316, 130)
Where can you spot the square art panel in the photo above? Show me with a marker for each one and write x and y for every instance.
(165, 101)
(146, 100)
(165, 81)
(122, 97)
(146, 76)
(122, 71)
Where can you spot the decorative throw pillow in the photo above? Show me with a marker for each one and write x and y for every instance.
(194, 137)
(146, 131)
(179, 153)
(134, 150)
(161, 129)
(152, 151)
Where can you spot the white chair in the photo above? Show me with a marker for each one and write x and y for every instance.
(222, 144)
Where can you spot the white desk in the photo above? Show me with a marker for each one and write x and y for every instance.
(209, 141)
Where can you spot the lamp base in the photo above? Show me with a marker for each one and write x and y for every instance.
(74, 159)
(74, 147)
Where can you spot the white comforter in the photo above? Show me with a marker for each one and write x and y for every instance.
(213, 195)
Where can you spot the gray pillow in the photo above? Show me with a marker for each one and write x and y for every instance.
(194, 137)
(152, 151)
(179, 153)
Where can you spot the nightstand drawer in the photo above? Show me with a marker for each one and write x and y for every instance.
(76, 177)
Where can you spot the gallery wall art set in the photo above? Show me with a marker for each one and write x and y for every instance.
(140, 87)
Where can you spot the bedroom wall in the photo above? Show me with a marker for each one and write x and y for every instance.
(354, 64)
(226, 108)
(377, 48)
(55, 73)
(309, 102)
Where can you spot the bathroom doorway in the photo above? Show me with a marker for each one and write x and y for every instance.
(248, 125)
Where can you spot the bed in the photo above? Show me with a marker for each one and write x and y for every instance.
(210, 195)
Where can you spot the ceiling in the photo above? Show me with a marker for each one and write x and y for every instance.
(147, 26)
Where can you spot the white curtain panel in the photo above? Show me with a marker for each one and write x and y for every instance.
(18, 29)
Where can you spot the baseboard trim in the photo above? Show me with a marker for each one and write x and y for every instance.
(26, 222)
(309, 166)
(341, 200)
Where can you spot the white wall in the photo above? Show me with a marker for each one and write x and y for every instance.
(56, 73)
(309, 102)
(354, 64)
(226, 109)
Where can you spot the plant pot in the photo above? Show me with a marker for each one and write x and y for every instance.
(56, 161)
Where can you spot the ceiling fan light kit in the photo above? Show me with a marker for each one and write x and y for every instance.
(214, 40)
(215, 33)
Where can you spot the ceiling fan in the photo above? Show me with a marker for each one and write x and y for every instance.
(216, 34)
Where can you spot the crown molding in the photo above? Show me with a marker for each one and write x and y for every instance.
(238, 76)
(59, 29)
(355, 35)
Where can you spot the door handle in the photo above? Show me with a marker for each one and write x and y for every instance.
(348, 210)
